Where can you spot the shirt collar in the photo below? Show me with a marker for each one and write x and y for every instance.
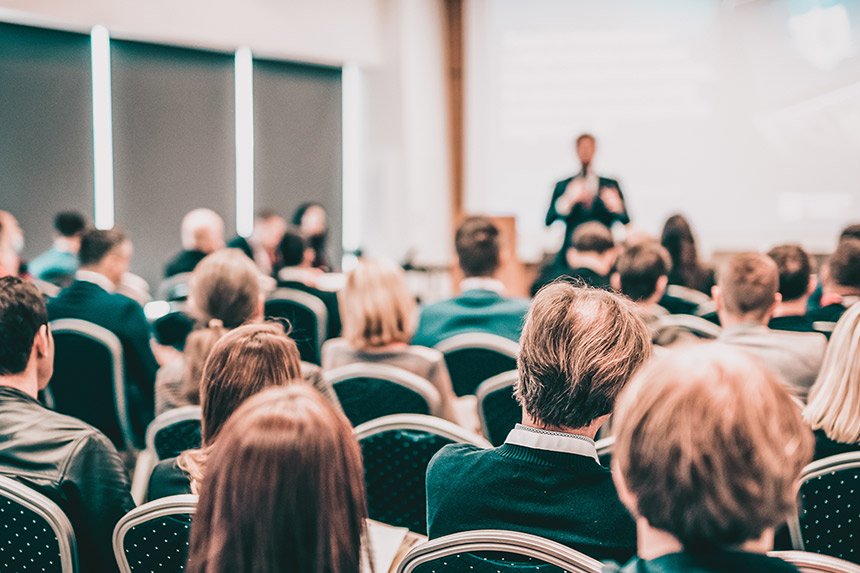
(297, 274)
(97, 279)
(563, 442)
(482, 283)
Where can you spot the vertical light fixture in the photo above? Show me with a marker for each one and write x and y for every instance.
(353, 201)
(102, 128)
(244, 112)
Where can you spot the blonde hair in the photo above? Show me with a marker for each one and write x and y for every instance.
(377, 308)
(834, 400)
(711, 445)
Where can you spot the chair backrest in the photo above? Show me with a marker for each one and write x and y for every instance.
(828, 521)
(174, 288)
(475, 357)
(369, 391)
(308, 319)
(814, 563)
(88, 381)
(673, 324)
(498, 410)
(154, 536)
(496, 551)
(174, 431)
(604, 450)
(36, 534)
(396, 450)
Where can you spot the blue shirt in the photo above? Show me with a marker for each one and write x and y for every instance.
(54, 266)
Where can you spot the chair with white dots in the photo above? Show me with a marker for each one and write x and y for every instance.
(474, 357)
(828, 521)
(154, 537)
(396, 451)
(814, 563)
(496, 551)
(35, 534)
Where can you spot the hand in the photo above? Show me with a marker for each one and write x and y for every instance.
(612, 200)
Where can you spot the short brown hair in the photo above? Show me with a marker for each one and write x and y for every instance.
(477, 244)
(844, 264)
(711, 445)
(748, 284)
(22, 314)
(640, 268)
(592, 237)
(97, 243)
(579, 347)
(377, 308)
(794, 267)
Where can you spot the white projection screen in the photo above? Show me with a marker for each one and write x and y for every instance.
(744, 116)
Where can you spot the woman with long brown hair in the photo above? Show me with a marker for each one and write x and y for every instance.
(284, 490)
(687, 270)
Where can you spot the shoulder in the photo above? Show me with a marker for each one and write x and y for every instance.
(455, 454)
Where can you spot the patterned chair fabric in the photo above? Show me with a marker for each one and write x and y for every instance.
(475, 357)
(829, 516)
(396, 451)
(174, 431)
(307, 316)
(154, 537)
(36, 534)
(495, 551)
(498, 410)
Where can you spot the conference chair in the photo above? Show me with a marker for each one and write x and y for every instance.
(477, 356)
(604, 450)
(89, 381)
(828, 520)
(496, 551)
(814, 563)
(174, 288)
(307, 316)
(36, 534)
(683, 300)
(154, 536)
(498, 410)
(396, 451)
(170, 321)
(670, 327)
(369, 391)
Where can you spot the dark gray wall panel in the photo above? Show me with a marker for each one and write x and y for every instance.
(46, 141)
(173, 144)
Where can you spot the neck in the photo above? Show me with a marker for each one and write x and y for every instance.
(26, 382)
(653, 543)
(728, 320)
(589, 431)
(592, 261)
(796, 307)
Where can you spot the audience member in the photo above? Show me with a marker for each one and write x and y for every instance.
(62, 458)
(11, 244)
(746, 296)
(262, 246)
(298, 273)
(796, 283)
(58, 264)
(588, 261)
(378, 323)
(708, 453)
(243, 362)
(104, 258)
(850, 232)
(687, 270)
(202, 234)
(579, 349)
(312, 221)
(285, 491)
(834, 400)
(840, 282)
(481, 306)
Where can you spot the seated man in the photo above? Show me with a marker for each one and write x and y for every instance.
(746, 296)
(588, 261)
(262, 246)
(796, 283)
(62, 458)
(840, 282)
(481, 306)
(298, 273)
(105, 257)
(58, 264)
(579, 348)
(202, 233)
(708, 453)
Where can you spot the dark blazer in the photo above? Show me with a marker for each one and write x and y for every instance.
(167, 479)
(559, 269)
(123, 317)
(707, 562)
(241, 243)
(183, 262)
(580, 214)
(472, 311)
(825, 447)
(791, 323)
(329, 298)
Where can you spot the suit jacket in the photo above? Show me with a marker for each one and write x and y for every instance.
(580, 213)
(183, 262)
(472, 311)
(123, 317)
(559, 269)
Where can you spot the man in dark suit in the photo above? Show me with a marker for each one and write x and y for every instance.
(105, 258)
(586, 196)
(587, 261)
(481, 306)
(796, 283)
(840, 282)
(202, 233)
(579, 348)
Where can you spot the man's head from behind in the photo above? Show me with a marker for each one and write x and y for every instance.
(747, 289)
(202, 230)
(795, 272)
(709, 447)
(478, 247)
(643, 272)
(843, 269)
(592, 242)
(295, 249)
(107, 252)
(26, 346)
(578, 349)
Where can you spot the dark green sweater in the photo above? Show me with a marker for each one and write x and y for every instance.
(715, 562)
(560, 496)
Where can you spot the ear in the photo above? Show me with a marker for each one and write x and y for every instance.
(662, 285)
(813, 284)
(718, 297)
(42, 341)
(615, 281)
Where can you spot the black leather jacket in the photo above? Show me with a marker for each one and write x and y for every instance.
(73, 464)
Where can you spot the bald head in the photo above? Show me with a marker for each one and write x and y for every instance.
(202, 230)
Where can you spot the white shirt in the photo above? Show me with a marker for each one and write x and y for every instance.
(482, 283)
(97, 279)
(539, 439)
